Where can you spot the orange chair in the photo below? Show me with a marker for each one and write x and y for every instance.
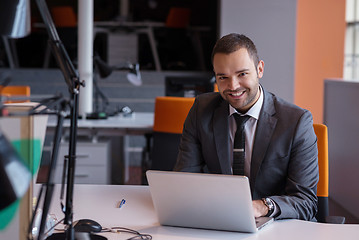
(170, 114)
(215, 87)
(178, 17)
(65, 20)
(64, 16)
(15, 91)
(321, 131)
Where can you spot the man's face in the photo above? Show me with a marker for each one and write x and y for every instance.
(238, 78)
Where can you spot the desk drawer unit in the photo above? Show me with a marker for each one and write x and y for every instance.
(92, 163)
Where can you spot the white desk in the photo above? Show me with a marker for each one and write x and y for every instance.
(138, 123)
(117, 127)
(98, 202)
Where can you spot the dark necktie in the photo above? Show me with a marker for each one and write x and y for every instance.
(239, 145)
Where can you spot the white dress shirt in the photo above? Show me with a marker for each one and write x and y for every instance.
(249, 129)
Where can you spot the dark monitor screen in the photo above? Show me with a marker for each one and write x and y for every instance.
(188, 86)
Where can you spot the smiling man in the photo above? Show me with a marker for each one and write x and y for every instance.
(279, 154)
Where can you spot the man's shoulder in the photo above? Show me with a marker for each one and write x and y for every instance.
(284, 109)
(281, 103)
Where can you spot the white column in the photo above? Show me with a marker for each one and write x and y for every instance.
(85, 54)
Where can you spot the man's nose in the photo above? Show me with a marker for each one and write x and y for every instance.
(233, 83)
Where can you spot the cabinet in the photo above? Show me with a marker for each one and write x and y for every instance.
(92, 163)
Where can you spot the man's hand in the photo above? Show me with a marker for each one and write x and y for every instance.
(260, 209)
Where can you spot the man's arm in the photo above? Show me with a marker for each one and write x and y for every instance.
(300, 200)
(190, 158)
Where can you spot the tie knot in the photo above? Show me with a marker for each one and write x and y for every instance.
(240, 120)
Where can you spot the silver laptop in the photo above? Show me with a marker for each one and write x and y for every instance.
(208, 201)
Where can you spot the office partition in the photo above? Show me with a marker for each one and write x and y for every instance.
(341, 115)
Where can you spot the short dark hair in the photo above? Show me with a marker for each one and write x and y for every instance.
(234, 41)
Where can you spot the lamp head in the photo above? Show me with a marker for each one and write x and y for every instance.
(134, 75)
(15, 18)
(103, 69)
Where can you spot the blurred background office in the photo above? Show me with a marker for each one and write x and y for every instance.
(302, 43)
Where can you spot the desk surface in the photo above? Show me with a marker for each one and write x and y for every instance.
(136, 120)
(137, 123)
(98, 202)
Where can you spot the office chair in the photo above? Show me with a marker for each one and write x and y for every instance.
(178, 17)
(65, 20)
(321, 131)
(170, 114)
(15, 91)
(174, 41)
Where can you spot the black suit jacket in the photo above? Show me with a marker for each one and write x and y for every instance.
(284, 164)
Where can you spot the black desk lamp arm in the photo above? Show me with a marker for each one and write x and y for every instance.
(72, 80)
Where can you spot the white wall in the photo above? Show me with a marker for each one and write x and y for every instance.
(271, 24)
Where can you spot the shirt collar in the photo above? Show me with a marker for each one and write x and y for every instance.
(254, 110)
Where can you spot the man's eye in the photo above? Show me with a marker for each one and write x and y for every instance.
(242, 74)
(221, 77)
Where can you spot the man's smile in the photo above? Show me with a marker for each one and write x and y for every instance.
(236, 94)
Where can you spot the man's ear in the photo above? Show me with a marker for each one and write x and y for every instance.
(260, 69)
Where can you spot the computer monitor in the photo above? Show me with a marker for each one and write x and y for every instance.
(188, 86)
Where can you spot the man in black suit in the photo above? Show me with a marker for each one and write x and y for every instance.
(280, 144)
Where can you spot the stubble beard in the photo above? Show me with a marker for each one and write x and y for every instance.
(247, 102)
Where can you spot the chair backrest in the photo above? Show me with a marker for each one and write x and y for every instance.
(15, 91)
(65, 20)
(64, 16)
(215, 87)
(178, 17)
(170, 114)
(321, 131)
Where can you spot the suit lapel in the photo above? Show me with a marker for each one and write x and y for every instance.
(265, 127)
(221, 136)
